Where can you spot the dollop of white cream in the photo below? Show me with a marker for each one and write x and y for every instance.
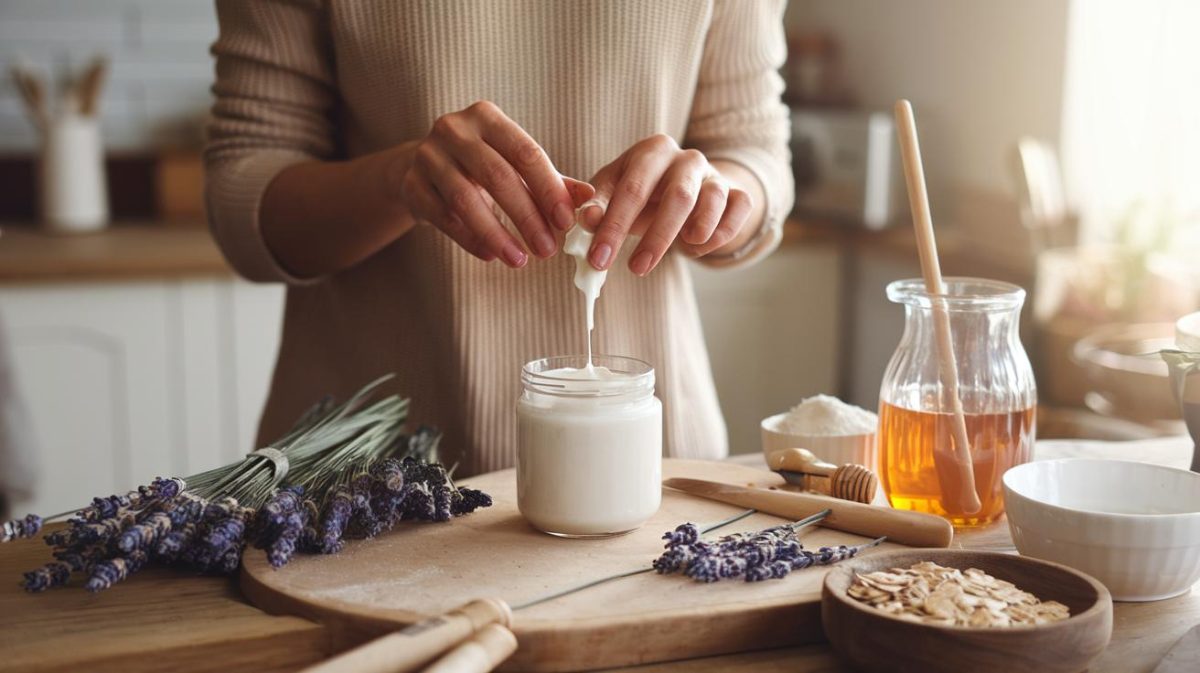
(589, 281)
(593, 374)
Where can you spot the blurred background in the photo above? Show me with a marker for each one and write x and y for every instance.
(1060, 148)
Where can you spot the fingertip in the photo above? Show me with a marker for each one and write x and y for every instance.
(543, 245)
(592, 216)
(642, 263)
(580, 191)
(600, 256)
(693, 235)
(564, 217)
(514, 256)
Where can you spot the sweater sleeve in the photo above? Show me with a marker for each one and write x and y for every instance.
(275, 94)
(737, 113)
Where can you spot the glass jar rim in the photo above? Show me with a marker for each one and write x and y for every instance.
(963, 293)
(637, 379)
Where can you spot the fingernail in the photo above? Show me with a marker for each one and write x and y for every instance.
(640, 264)
(600, 255)
(543, 243)
(514, 256)
(563, 217)
(592, 216)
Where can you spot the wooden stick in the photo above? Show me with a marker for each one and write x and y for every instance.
(492, 645)
(915, 529)
(421, 643)
(90, 84)
(33, 92)
(961, 496)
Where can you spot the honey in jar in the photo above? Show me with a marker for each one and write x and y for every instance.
(918, 468)
(910, 473)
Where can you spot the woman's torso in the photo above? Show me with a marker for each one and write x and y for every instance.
(586, 80)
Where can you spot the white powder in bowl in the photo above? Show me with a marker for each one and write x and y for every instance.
(823, 415)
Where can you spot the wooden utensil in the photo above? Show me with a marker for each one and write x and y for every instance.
(846, 482)
(959, 496)
(915, 529)
(33, 92)
(419, 644)
(87, 90)
(876, 641)
(483, 652)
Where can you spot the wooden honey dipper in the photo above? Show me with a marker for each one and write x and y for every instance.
(846, 482)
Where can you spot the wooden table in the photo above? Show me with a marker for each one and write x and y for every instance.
(169, 620)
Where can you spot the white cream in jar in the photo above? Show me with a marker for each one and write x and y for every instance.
(589, 450)
(589, 456)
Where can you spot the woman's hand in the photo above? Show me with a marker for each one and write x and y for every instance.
(476, 158)
(668, 195)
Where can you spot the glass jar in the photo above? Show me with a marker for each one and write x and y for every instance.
(917, 465)
(589, 451)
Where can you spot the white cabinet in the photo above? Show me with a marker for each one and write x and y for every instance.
(772, 334)
(131, 380)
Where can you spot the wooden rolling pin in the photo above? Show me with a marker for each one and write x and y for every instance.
(419, 644)
(492, 645)
(915, 529)
(847, 482)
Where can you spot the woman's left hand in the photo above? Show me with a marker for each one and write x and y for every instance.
(668, 196)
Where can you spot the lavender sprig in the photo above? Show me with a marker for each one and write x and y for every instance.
(19, 528)
(772, 553)
(282, 548)
(53, 574)
(109, 572)
(146, 534)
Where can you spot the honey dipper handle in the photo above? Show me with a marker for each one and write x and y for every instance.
(960, 494)
(492, 645)
(800, 460)
(418, 644)
(915, 529)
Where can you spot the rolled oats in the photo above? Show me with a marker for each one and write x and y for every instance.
(933, 594)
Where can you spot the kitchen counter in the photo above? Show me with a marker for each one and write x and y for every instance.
(166, 619)
(123, 251)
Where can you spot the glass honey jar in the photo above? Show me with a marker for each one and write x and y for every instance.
(995, 384)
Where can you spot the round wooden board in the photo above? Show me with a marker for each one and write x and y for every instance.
(422, 569)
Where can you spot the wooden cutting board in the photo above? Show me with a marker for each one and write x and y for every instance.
(418, 570)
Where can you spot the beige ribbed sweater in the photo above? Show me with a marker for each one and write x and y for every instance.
(326, 79)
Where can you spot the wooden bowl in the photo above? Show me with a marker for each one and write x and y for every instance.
(876, 641)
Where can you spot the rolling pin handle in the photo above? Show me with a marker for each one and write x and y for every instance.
(415, 646)
(492, 645)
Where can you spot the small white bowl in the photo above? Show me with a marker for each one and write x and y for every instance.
(836, 449)
(1187, 332)
(1133, 526)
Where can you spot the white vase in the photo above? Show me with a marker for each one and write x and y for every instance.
(74, 196)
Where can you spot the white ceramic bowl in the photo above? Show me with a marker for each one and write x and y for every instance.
(1187, 332)
(836, 449)
(1133, 526)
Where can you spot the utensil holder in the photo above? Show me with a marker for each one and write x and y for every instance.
(74, 197)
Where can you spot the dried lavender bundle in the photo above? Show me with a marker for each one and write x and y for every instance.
(202, 521)
(365, 497)
(351, 470)
(772, 553)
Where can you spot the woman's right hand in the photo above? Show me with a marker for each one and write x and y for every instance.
(476, 158)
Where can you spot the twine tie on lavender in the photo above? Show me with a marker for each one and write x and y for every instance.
(279, 462)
